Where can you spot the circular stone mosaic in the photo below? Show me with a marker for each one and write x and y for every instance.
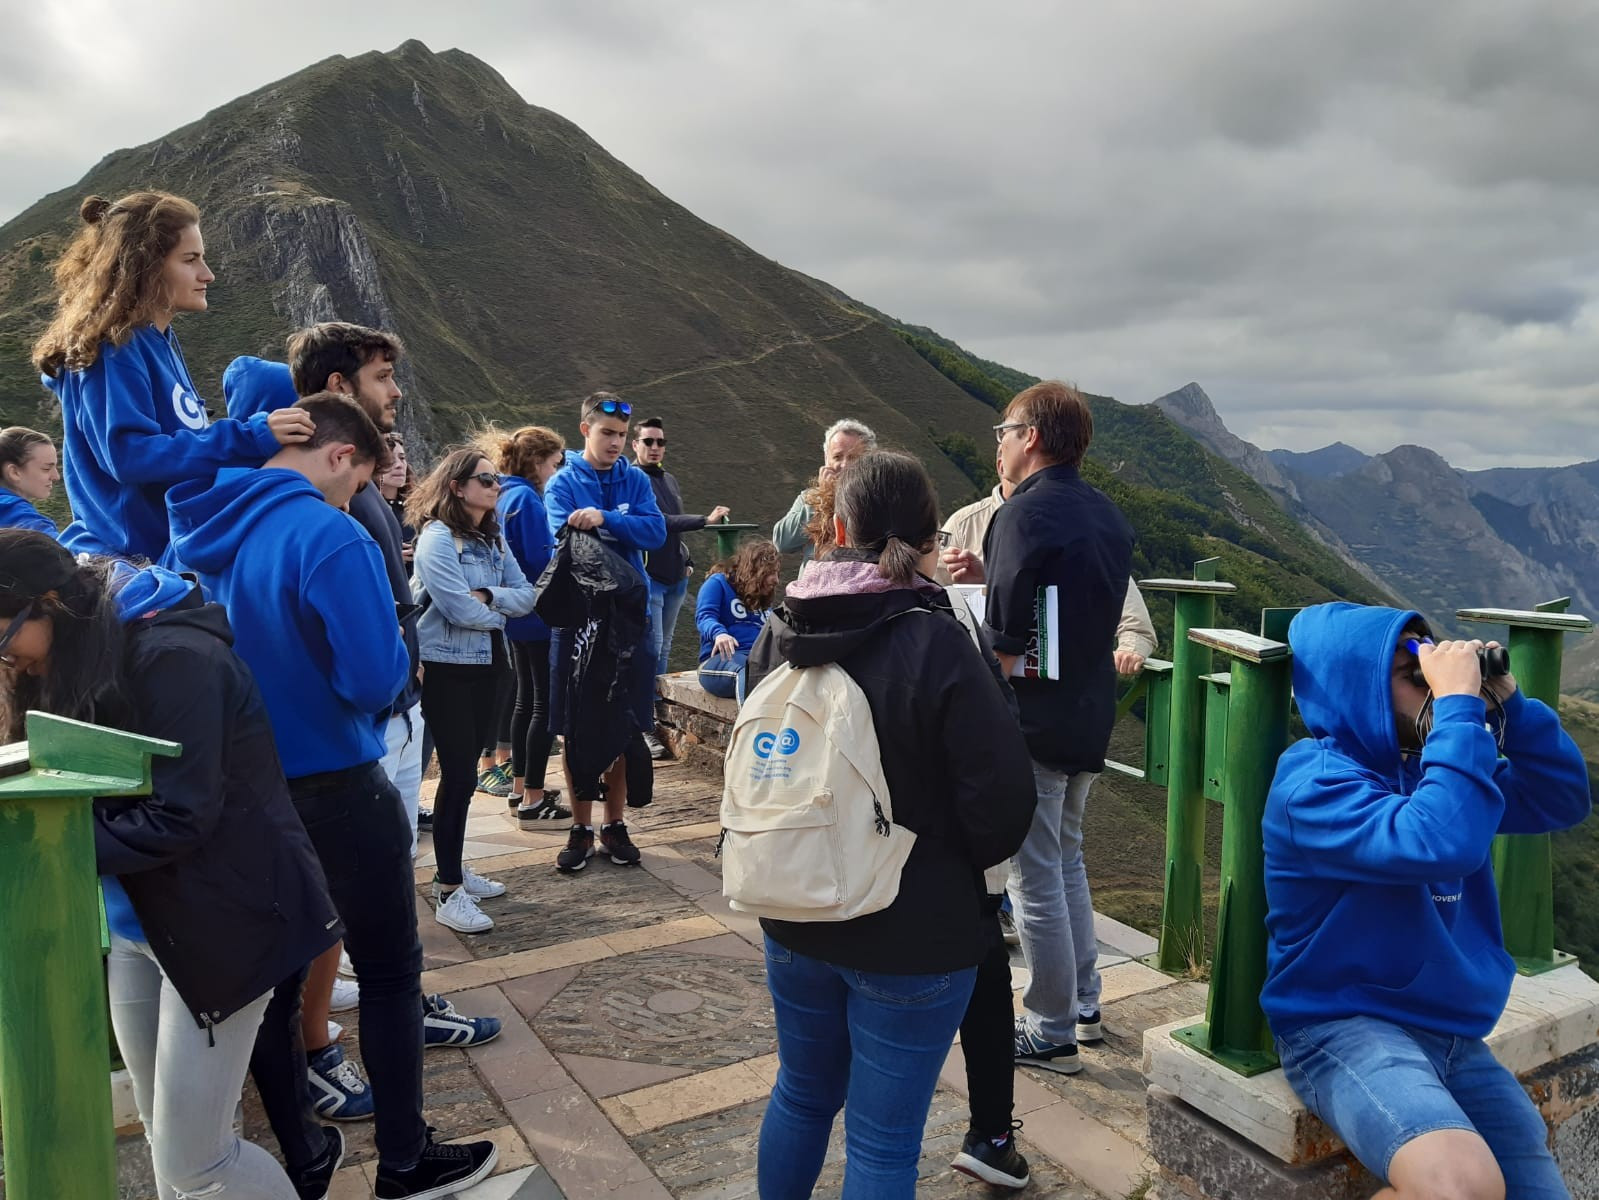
(664, 1007)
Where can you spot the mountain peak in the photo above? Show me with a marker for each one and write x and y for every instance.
(1191, 401)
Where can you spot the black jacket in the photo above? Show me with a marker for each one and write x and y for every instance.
(374, 514)
(955, 762)
(1056, 529)
(671, 562)
(218, 867)
(606, 680)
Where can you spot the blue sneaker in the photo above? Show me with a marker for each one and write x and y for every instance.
(443, 1026)
(1034, 1051)
(337, 1090)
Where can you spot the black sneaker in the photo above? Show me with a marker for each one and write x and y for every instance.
(614, 837)
(424, 820)
(1034, 1051)
(579, 849)
(1089, 1029)
(547, 809)
(996, 1162)
(314, 1181)
(440, 1171)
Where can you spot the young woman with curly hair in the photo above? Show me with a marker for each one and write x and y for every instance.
(730, 610)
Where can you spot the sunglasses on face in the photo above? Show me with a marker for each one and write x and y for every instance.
(487, 480)
(11, 632)
(660, 441)
(613, 408)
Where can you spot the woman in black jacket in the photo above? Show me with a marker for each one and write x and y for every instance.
(869, 1006)
(213, 893)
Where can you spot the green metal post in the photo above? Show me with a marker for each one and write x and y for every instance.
(1182, 935)
(727, 535)
(1523, 863)
(55, 1085)
(1234, 1031)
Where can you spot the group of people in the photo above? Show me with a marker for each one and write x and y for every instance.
(280, 593)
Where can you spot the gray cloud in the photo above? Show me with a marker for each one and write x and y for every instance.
(1370, 221)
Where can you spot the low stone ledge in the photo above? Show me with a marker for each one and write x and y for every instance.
(697, 724)
(1549, 1018)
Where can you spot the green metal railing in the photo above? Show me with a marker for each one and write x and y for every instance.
(1523, 863)
(728, 534)
(55, 1091)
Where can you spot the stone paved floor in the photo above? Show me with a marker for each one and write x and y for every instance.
(639, 1046)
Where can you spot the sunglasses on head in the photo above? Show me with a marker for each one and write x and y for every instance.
(613, 408)
(660, 441)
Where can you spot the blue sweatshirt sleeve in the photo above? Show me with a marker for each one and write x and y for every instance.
(131, 445)
(710, 607)
(21, 518)
(527, 531)
(438, 567)
(370, 665)
(642, 527)
(1542, 776)
(1350, 825)
(513, 595)
(559, 502)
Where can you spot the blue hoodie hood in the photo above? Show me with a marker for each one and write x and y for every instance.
(633, 520)
(1343, 666)
(255, 385)
(18, 512)
(141, 592)
(311, 607)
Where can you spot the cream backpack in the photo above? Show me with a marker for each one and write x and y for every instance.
(808, 829)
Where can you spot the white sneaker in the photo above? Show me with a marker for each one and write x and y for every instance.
(345, 968)
(461, 913)
(346, 995)
(478, 887)
(335, 1032)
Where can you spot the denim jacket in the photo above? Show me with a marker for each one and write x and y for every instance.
(455, 627)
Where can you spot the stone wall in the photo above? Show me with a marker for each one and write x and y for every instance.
(696, 724)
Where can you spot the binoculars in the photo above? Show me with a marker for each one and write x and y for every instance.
(1491, 660)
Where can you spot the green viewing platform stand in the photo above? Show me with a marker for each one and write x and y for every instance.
(55, 1085)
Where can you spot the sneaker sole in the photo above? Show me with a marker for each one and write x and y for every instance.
(460, 928)
(461, 1184)
(626, 862)
(1090, 1033)
(977, 1169)
(1061, 1066)
(427, 1045)
(342, 1117)
(486, 895)
(573, 870)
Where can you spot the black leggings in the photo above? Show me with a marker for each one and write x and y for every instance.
(458, 701)
(531, 737)
(499, 733)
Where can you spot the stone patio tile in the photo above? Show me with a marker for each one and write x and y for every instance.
(1123, 939)
(514, 1152)
(512, 966)
(576, 1144)
(440, 946)
(1129, 979)
(669, 933)
(690, 879)
(350, 1183)
(730, 945)
(672, 834)
(650, 1189)
(746, 927)
(1097, 1155)
(1027, 1095)
(514, 1185)
(602, 1077)
(532, 992)
(685, 1099)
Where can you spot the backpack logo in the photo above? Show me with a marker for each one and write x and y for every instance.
(786, 742)
(187, 408)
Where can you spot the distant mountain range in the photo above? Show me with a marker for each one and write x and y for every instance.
(1437, 537)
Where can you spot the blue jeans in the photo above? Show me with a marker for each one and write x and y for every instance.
(869, 1043)
(1380, 1085)
(725, 677)
(1054, 912)
(665, 603)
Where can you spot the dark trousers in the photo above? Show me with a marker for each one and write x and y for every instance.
(988, 1037)
(499, 733)
(459, 702)
(530, 717)
(362, 836)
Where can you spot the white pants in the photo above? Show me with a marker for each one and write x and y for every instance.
(403, 761)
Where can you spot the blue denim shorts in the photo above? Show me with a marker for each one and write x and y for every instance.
(1380, 1085)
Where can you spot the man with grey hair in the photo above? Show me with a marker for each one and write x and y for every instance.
(843, 441)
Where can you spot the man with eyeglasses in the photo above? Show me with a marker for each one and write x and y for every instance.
(598, 490)
(669, 567)
(1056, 530)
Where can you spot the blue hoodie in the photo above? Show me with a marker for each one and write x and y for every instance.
(1379, 887)
(311, 609)
(633, 521)
(255, 385)
(527, 532)
(139, 593)
(18, 512)
(132, 426)
(717, 609)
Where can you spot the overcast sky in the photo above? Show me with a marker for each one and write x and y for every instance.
(1370, 220)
